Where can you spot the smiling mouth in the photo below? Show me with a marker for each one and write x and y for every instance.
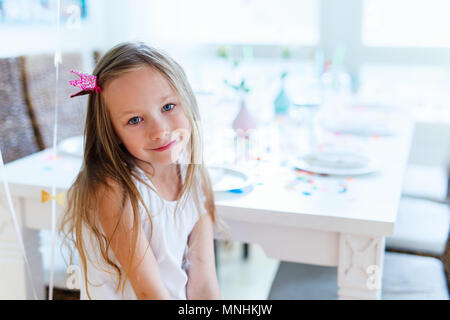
(165, 147)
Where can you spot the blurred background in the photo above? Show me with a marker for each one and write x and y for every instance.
(396, 52)
(284, 56)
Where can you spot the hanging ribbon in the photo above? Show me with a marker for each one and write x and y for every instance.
(53, 197)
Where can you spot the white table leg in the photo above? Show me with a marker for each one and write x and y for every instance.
(14, 279)
(360, 267)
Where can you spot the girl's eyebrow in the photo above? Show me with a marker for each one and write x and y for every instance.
(166, 97)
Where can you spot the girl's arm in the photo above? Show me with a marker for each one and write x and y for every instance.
(144, 273)
(202, 278)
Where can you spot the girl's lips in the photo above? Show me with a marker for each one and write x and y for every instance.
(165, 147)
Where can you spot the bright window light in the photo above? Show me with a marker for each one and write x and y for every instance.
(407, 23)
(241, 21)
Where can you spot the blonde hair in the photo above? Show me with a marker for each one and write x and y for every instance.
(105, 158)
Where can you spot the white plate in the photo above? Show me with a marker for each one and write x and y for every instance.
(336, 163)
(368, 130)
(366, 123)
(73, 146)
(361, 128)
(226, 179)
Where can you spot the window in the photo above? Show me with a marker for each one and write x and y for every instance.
(25, 12)
(239, 21)
(406, 23)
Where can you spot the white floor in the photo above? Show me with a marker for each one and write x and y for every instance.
(244, 279)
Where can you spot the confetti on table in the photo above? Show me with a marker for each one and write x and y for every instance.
(301, 171)
(50, 157)
(307, 183)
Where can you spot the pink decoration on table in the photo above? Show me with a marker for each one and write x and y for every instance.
(243, 121)
(87, 83)
(51, 157)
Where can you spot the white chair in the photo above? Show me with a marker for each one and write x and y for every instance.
(426, 175)
(422, 226)
(405, 277)
(426, 182)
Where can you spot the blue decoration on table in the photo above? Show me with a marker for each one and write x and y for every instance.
(282, 101)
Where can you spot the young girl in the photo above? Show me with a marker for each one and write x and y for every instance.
(141, 212)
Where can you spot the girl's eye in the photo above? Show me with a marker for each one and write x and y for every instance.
(168, 107)
(135, 120)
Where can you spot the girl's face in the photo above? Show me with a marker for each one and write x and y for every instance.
(147, 115)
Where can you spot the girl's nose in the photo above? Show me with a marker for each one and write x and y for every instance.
(159, 131)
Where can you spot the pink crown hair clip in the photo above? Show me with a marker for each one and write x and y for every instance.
(87, 83)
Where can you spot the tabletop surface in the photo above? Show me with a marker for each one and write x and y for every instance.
(280, 195)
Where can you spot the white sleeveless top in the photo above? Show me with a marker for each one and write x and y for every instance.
(168, 243)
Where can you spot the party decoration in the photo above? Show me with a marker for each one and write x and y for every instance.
(243, 121)
(60, 198)
(87, 83)
(282, 101)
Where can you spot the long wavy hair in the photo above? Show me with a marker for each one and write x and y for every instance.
(105, 158)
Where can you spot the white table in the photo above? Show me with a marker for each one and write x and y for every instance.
(326, 228)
